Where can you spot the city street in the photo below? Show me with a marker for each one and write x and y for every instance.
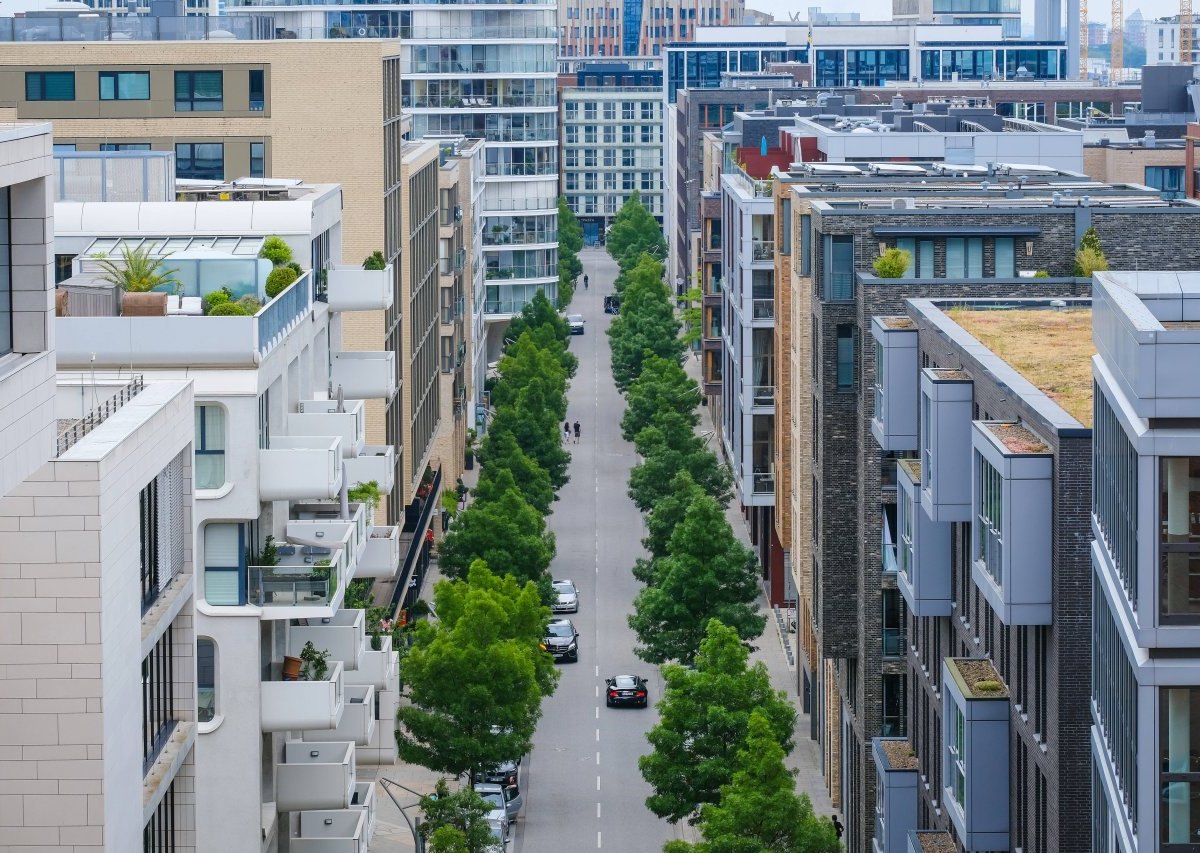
(581, 783)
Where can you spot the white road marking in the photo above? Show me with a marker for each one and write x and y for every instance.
(597, 811)
(597, 759)
(597, 670)
(597, 782)
(597, 733)
(597, 696)
(597, 839)
(597, 707)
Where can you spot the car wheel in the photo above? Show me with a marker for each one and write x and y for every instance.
(644, 701)
(608, 702)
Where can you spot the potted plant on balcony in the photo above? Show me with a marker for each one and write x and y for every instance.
(315, 662)
(367, 493)
(469, 450)
(375, 261)
(426, 487)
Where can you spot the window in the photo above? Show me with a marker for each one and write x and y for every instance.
(805, 244)
(6, 341)
(894, 722)
(845, 356)
(1179, 538)
(200, 160)
(206, 679)
(257, 90)
(264, 420)
(839, 267)
(224, 550)
(210, 446)
(956, 257)
(124, 85)
(158, 697)
(49, 85)
(124, 146)
(1167, 179)
(925, 259)
(989, 546)
(975, 257)
(258, 159)
(1115, 492)
(893, 625)
(199, 91)
(908, 244)
(1005, 258)
(1179, 758)
(956, 755)
(148, 552)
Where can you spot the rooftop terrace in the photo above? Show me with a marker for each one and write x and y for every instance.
(1052, 349)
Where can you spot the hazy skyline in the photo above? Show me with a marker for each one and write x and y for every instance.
(882, 9)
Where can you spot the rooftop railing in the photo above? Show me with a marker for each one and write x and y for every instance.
(137, 28)
(80, 428)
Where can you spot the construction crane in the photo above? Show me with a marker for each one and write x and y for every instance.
(1185, 31)
(1116, 38)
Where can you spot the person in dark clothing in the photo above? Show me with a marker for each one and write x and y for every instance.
(577, 432)
(837, 826)
(566, 430)
(585, 282)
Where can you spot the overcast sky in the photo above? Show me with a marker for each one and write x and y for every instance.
(882, 9)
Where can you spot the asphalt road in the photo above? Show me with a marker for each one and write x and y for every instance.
(581, 784)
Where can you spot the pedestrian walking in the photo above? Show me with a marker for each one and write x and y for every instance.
(837, 826)
(585, 282)
(577, 432)
(566, 431)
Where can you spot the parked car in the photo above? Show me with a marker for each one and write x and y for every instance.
(505, 797)
(627, 690)
(566, 597)
(505, 773)
(562, 640)
(575, 322)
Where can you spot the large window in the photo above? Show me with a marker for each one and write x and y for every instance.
(956, 755)
(158, 697)
(1005, 258)
(224, 552)
(206, 679)
(210, 446)
(1114, 698)
(989, 545)
(199, 91)
(258, 97)
(1167, 179)
(5, 277)
(258, 158)
(839, 267)
(148, 551)
(49, 85)
(894, 620)
(1179, 538)
(203, 161)
(845, 356)
(964, 257)
(1179, 758)
(894, 718)
(124, 85)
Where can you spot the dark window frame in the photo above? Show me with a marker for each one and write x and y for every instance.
(193, 102)
(41, 78)
(116, 76)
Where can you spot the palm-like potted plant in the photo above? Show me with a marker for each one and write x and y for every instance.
(138, 272)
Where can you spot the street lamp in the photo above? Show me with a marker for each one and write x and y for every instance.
(417, 840)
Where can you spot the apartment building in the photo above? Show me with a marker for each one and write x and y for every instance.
(990, 554)
(612, 144)
(842, 539)
(637, 27)
(98, 715)
(1006, 13)
(1144, 521)
(279, 427)
(1159, 164)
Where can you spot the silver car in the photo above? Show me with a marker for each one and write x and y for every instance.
(505, 798)
(566, 597)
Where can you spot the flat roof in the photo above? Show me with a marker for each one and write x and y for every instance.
(1051, 348)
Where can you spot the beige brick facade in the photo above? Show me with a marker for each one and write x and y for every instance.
(1126, 164)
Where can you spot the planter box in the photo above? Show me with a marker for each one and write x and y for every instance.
(352, 288)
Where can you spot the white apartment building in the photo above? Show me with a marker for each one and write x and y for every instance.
(98, 690)
(1146, 521)
(1162, 42)
(278, 426)
(612, 148)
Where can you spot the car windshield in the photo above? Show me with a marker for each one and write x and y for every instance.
(564, 587)
(560, 629)
(574, 318)
(495, 798)
(625, 681)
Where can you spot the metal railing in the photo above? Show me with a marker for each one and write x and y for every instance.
(547, 206)
(521, 170)
(483, 66)
(476, 33)
(518, 272)
(416, 558)
(292, 586)
(520, 238)
(80, 428)
(279, 315)
(762, 395)
(477, 102)
(137, 28)
(762, 250)
(763, 482)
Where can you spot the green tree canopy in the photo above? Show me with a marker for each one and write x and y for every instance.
(476, 676)
(661, 386)
(501, 453)
(703, 720)
(633, 233)
(546, 337)
(693, 316)
(504, 530)
(667, 512)
(524, 363)
(570, 241)
(646, 325)
(707, 575)
(534, 420)
(455, 822)
(668, 447)
(759, 810)
(538, 312)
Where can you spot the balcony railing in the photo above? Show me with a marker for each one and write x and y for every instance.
(283, 312)
(762, 250)
(79, 428)
(762, 395)
(290, 585)
(136, 28)
(548, 206)
(764, 309)
(525, 271)
(763, 482)
(478, 102)
(492, 237)
(478, 33)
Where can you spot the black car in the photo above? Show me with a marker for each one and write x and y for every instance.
(507, 773)
(627, 690)
(562, 640)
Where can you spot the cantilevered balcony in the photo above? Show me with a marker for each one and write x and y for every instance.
(353, 288)
(306, 583)
(364, 375)
(300, 467)
(381, 555)
(358, 718)
(321, 417)
(364, 798)
(377, 667)
(343, 635)
(335, 831)
(300, 705)
(315, 775)
(373, 463)
(325, 525)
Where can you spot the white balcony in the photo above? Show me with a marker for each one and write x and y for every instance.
(358, 718)
(300, 467)
(321, 417)
(301, 705)
(321, 525)
(364, 375)
(340, 831)
(374, 462)
(343, 635)
(352, 288)
(382, 748)
(376, 667)
(381, 556)
(315, 775)
(364, 798)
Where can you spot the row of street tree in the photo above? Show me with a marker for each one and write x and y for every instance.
(475, 676)
(723, 732)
